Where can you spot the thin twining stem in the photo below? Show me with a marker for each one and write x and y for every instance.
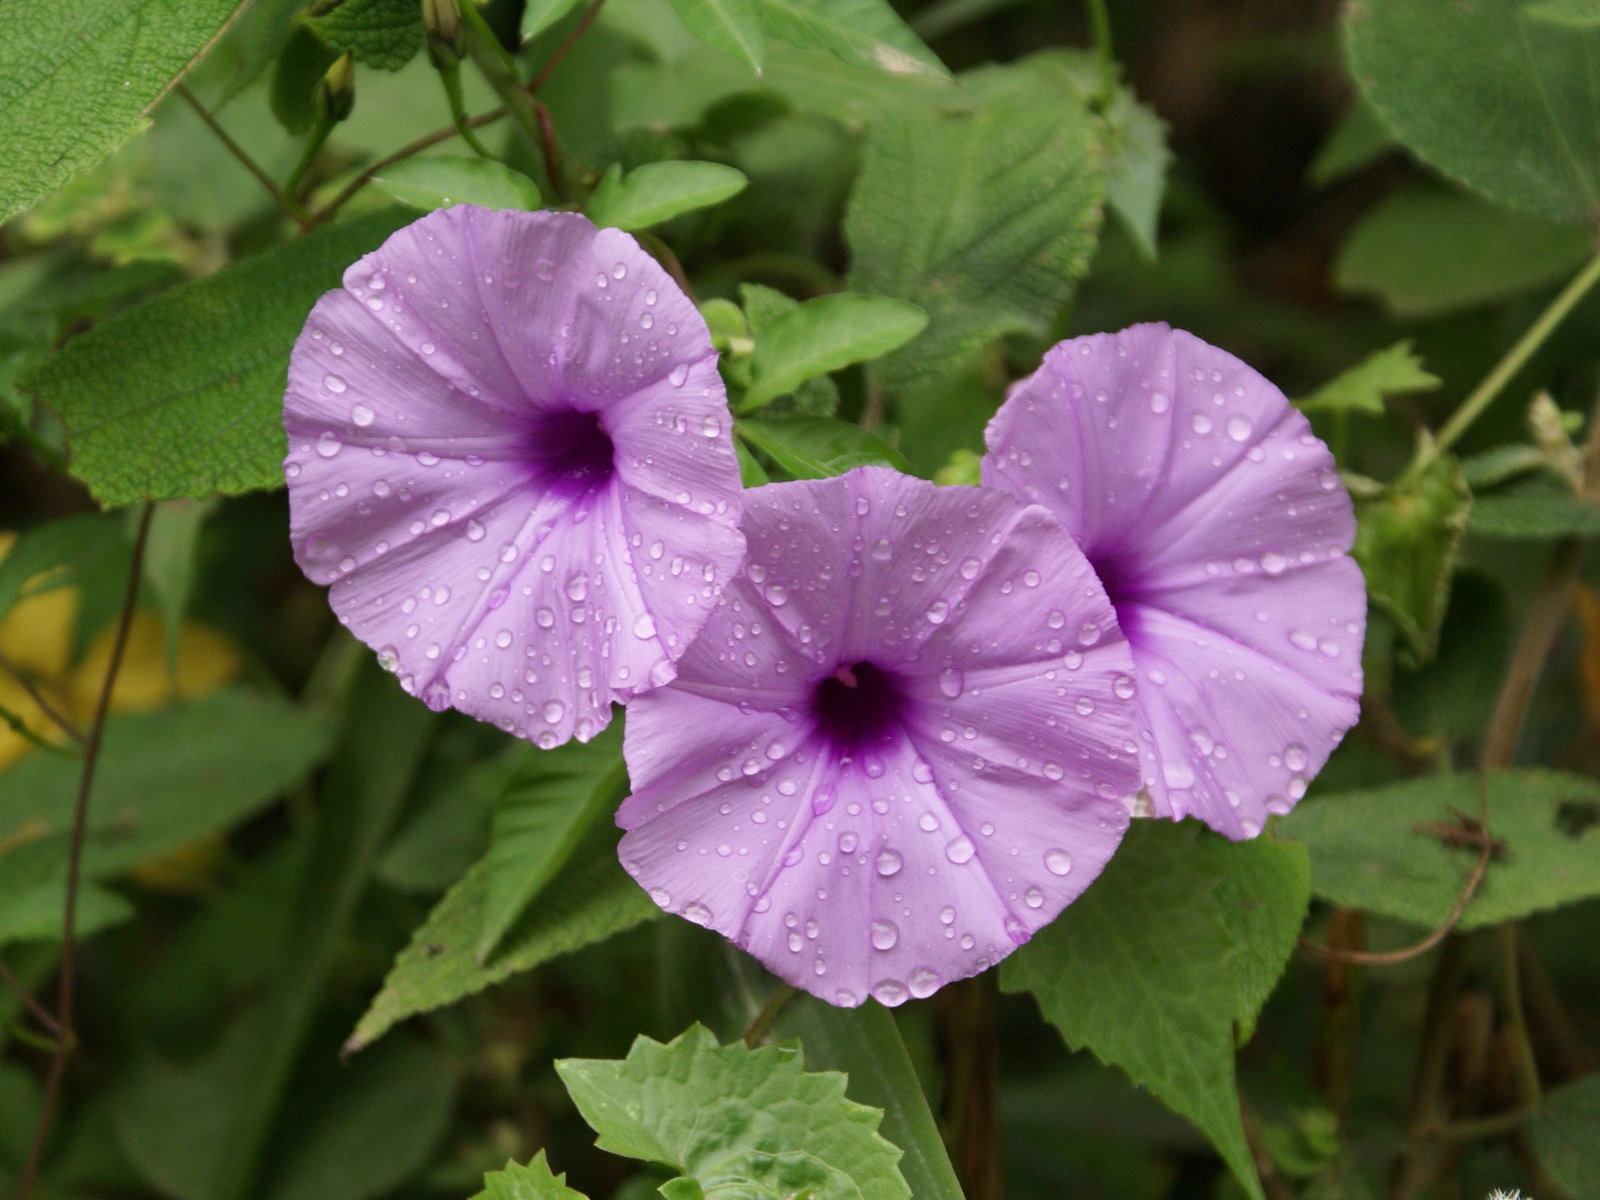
(285, 205)
(40, 1013)
(56, 717)
(65, 1035)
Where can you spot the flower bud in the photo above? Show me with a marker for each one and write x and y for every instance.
(336, 91)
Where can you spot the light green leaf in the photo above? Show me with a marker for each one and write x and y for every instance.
(533, 1182)
(539, 15)
(59, 554)
(1390, 851)
(1406, 543)
(734, 1119)
(1424, 251)
(731, 26)
(78, 79)
(1184, 932)
(866, 32)
(430, 183)
(1499, 101)
(1566, 12)
(824, 335)
(818, 447)
(657, 192)
(553, 798)
(165, 778)
(385, 34)
(1565, 1132)
(1395, 371)
(34, 914)
(865, 1042)
(169, 561)
(1136, 167)
(589, 899)
(982, 214)
(182, 395)
(1542, 507)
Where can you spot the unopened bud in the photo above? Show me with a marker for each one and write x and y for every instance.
(442, 20)
(336, 91)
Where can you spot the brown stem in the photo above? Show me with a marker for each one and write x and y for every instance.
(1339, 1012)
(39, 1011)
(66, 1037)
(550, 148)
(1272, 1182)
(1515, 1016)
(1564, 1045)
(565, 48)
(762, 1021)
(42, 702)
(970, 1054)
(285, 205)
(1433, 1060)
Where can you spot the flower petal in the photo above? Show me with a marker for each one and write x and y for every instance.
(1216, 519)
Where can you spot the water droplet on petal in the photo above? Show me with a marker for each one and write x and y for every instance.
(1057, 861)
(884, 935)
(961, 850)
(889, 862)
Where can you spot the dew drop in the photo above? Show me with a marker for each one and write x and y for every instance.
(697, 912)
(889, 862)
(884, 935)
(1057, 861)
(333, 383)
(553, 711)
(329, 444)
(1239, 428)
(961, 850)
(950, 681)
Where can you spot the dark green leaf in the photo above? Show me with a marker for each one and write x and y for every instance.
(731, 26)
(380, 33)
(245, 50)
(1391, 850)
(551, 801)
(657, 192)
(1544, 506)
(533, 1182)
(1565, 1132)
(1183, 932)
(182, 395)
(818, 447)
(865, 32)
(825, 335)
(301, 65)
(431, 183)
(588, 900)
(1406, 543)
(78, 79)
(1502, 102)
(1425, 251)
(1392, 372)
(750, 1122)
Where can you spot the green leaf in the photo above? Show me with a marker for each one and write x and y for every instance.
(169, 562)
(60, 553)
(731, 26)
(539, 15)
(865, 32)
(980, 213)
(1406, 543)
(1542, 507)
(1382, 850)
(818, 447)
(1566, 12)
(1185, 933)
(659, 191)
(589, 899)
(1136, 167)
(430, 183)
(1357, 141)
(533, 1182)
(1392, 372)
(1424, 251)
(182, 395)
(825, 335)
(751, 1122)
(165, 778)
(79, 79)
(385, 34)
(300, 67)
(245, 50)
(1565, 1132)
(552, 800)
(1499, 101)
(865, 1042)
(34, 914)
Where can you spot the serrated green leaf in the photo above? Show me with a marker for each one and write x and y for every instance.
(731, 1118)
(78, 79)
(1395, 371)
(532, 1182)
(1566, 12)
(818, 447)
(430, 183)
(865, 1043)
(1489, 96)
(824, 335)
(982, 214)
(1406, 542)
(553, 798)
(1425, 250)
(182, 395)
(865, 32)
(165, 778)
(539, 15)
(385, 34)
(731, 26)
(659, 191)
(589, 899)
(1184, 932)
(1565, 1132)
(1542, 507)
(1382, 850)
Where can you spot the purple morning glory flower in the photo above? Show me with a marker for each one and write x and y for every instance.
(510, 458)
(1217, 522)
(901, 745)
